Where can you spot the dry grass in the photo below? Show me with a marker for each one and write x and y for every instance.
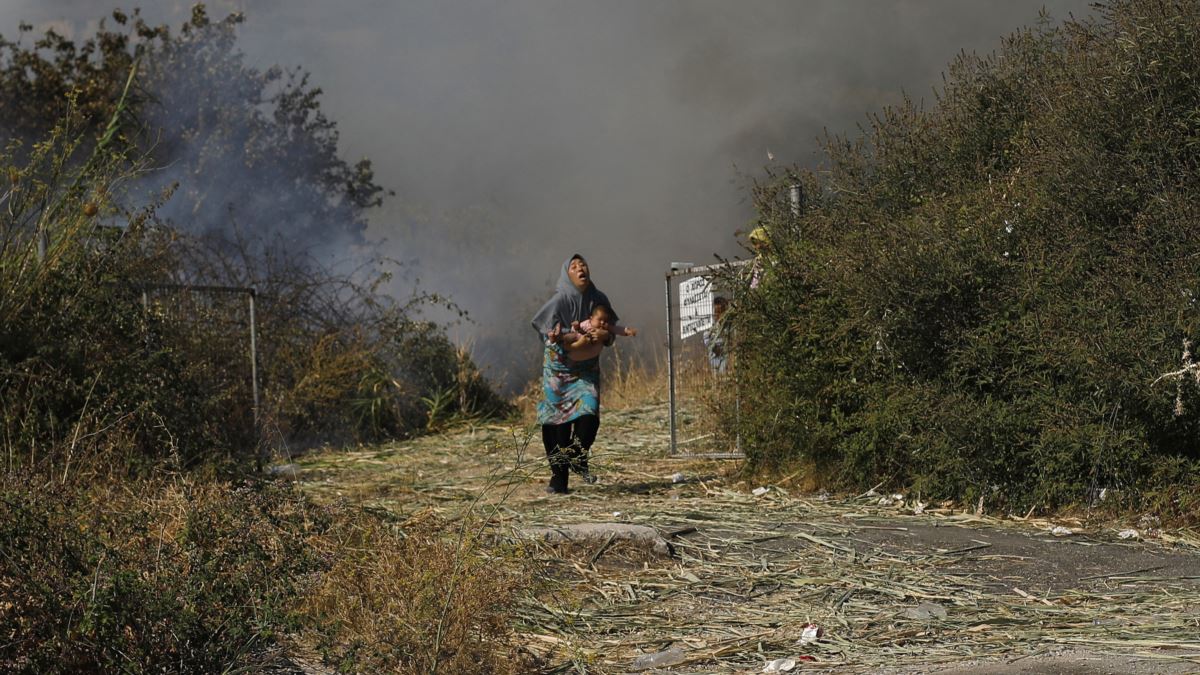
(633, 379)
(413, 596)
(752, 571)
(182, 575)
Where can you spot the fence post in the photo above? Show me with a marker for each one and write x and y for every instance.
(254, 380)
(796, 197)
(670, 362)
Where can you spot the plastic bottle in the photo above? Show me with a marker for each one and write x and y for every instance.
(670, 657)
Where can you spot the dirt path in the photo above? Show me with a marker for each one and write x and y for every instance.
(892, 591)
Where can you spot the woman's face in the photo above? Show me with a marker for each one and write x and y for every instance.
(579, 273)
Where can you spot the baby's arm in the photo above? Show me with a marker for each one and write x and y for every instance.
(627, 331)
(575, 340)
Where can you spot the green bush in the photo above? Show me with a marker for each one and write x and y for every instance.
(980, 297)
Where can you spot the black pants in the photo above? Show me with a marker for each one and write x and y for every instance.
(567, 447)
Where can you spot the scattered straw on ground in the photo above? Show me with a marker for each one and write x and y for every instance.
(751, 572)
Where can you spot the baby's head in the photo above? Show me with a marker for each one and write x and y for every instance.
(601, 317)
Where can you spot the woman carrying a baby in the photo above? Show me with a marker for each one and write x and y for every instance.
(575, 325)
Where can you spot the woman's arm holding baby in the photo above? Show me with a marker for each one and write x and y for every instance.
(576, 337)
(601, 335)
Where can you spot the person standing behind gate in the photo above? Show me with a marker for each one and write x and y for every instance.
(715, 338)
(569, 412)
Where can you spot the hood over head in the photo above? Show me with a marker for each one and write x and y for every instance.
(569, 303)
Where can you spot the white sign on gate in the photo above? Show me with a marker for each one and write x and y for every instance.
(695, 307)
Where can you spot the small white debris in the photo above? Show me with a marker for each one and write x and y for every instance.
(616, 514)
(898, 497)
(926, 611)
(884, 501)
(760, 491)
(284, 471)
(919, 508)
(810, 634)
(1103, 494)
(670, 657)
(678, 477)
(1129, 534)
(779, 666)
(1060, 531)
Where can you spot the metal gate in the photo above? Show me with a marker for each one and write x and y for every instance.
(701, 360)
(214, 322)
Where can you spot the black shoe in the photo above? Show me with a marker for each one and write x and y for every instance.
(551, 490)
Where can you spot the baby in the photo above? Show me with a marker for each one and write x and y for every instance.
(580, 347)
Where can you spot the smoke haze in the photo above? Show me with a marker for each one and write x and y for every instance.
(518, 133)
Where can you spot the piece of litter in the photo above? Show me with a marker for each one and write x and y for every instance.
(926, 611)
(898, 497)
(810, 634)
(616, 514)
(671, 657)
(678, 477)
(779, 666)
(1149, 524)
(285, 471)
(1060, 531)
(1129, 534)
(919, 508)
(760, 491)
(1148, 521)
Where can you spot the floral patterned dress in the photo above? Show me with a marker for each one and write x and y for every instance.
(570, 389)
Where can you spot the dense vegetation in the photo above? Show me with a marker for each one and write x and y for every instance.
(980, 297)
(147, 159)
(135, 535)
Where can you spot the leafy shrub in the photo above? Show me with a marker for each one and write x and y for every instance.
(980, 297)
